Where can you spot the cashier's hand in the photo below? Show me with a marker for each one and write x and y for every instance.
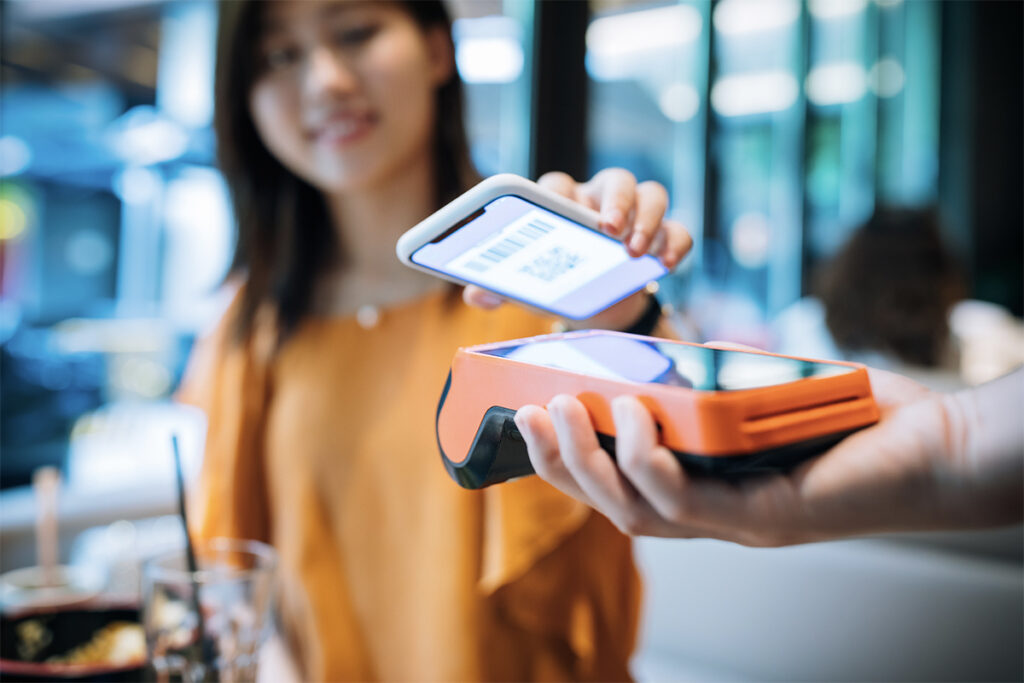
(633, 213)
(933, 461)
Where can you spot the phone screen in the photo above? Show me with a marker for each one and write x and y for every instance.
(524, 252)
(613, 356)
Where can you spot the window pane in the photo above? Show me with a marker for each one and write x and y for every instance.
(492, 54)
(647, 66)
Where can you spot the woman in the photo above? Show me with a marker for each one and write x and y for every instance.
(338, 128)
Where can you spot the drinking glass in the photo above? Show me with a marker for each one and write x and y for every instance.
(208, 625)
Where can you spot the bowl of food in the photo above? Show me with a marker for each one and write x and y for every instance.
(82, 641)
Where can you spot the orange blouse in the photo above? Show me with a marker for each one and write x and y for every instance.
(389, 570)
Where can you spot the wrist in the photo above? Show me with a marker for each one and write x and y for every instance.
(648, 319)
(985, 439)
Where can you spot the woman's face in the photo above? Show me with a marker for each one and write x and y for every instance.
(345, 92)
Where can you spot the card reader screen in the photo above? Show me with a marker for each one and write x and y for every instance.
(528, 253)
(619, 357)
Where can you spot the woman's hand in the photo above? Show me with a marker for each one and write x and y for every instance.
(932, 461)
(633, 213)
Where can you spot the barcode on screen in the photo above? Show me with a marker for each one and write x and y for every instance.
(497, 253)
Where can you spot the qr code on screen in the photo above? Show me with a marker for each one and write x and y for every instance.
(552, 264)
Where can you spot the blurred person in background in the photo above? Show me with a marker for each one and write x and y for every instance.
(891, 288)
(339, 126)
(885, 300)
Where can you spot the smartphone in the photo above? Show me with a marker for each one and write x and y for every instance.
(721, 412)
(512, 237)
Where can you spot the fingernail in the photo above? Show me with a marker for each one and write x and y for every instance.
(613, 220)
(553, 410)
(636, 244)
(522, 426)
(620, 406)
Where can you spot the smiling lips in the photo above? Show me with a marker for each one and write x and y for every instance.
(342, 129)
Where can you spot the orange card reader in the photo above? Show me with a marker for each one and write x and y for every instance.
(726, 413)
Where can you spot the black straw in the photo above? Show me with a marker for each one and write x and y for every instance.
(206, 644)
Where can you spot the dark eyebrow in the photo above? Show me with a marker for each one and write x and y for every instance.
(268, 25)
(333, 8)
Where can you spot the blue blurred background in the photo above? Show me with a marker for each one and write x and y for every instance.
(777, 125)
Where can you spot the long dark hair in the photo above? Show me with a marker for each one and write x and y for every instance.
(890, 288)
(285, 238)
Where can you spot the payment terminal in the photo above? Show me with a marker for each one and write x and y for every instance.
(727, 413)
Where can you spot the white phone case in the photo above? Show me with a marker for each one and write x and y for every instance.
(477, 197)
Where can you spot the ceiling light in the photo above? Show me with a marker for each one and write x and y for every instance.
(836, 9)
(836, 83)
(741, 17)
(886, 77)
(760, 92)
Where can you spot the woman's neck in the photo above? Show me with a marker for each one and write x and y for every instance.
(368, 222)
